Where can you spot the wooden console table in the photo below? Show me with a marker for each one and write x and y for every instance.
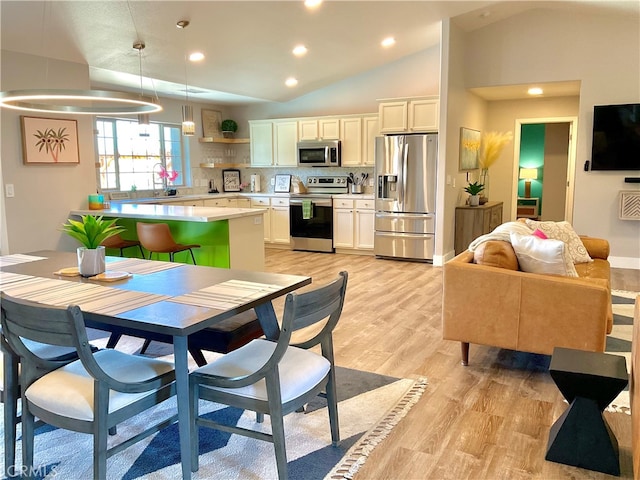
(471, 222)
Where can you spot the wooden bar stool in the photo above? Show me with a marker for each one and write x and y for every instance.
(120, 243)
(157, 238)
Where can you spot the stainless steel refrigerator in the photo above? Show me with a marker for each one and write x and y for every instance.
(405, 173)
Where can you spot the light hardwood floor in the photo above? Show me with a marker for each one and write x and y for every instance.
(489, 420)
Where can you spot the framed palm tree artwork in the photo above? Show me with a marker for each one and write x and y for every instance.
(51, 141)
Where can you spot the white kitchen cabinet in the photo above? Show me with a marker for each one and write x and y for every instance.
(370, 130)
(364, 224)
(261, 142)
(285, 139)
(243, 203)
(264, 202)
(351, 138)
(415, 115)
(280, 221)
(219, 202)
(353, 225)
(319, 129)
(187, 203)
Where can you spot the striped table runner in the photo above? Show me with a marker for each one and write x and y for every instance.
(226, 295)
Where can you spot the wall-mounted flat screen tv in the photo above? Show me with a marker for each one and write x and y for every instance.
(616, 137)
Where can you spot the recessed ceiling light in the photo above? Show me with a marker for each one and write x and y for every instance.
(535, 91)
(291, 82)
(196, 56)
(299, 50)
(312, 3)
(388, 42)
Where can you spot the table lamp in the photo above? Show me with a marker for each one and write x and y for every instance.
(528, 174)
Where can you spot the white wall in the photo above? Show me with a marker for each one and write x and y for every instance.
(603, 52)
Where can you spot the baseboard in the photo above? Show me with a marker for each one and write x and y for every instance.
(625, 262)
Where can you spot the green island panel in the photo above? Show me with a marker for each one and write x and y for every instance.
(213, 238)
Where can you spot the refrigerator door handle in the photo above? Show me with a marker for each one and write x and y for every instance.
(403, 172)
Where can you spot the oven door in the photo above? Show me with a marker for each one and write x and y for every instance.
(311, 230)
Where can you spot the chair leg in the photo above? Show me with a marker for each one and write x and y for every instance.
(171, 256)
(100, 431)
(114, 338)
(197, 355)
(332, 406)
(192, 256)
(464, 350)
(277, 423)
(141, 251)
(193, 415)
(27, 439)
(145, 345)
(10, 399)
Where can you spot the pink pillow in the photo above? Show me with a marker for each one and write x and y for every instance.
(540, 234)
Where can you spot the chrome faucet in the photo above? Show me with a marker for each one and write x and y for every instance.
(153, 179)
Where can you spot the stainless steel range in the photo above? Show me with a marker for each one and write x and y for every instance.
(311, 213)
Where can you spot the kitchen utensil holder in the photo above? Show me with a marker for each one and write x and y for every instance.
(356, 188)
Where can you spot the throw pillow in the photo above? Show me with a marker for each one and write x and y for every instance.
(540, 234)
(565, 232)
(501, 232)
(496, 253)
(542, 256)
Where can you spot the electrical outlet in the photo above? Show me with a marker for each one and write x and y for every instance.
(257, 220)
(273, 182)
(371, 182)
(453, 183)
(8, 189)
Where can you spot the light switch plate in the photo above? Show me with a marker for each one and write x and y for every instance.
(8, 190)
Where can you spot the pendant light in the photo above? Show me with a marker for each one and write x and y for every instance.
(143, 118)
(188, 125)
(68, 101)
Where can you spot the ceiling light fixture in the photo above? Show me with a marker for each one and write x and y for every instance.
(143, 118)
(388, 42)
(299, 50)
(312, 3)
(196, 56)
(74, 102)
(291, 82)
(188, 125)
(535, 91)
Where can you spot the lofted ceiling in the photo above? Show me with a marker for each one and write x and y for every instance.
(247, 44)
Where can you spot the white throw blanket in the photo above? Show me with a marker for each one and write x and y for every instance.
(501, 232)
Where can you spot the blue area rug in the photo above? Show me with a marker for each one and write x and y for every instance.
(368, 405)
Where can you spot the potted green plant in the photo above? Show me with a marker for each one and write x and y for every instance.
(474, 189)
(91, 231)
(228, 127)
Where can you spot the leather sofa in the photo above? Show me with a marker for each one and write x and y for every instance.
(495, 305)
(634, 391)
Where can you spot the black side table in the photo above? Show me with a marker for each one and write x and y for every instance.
(581, 436)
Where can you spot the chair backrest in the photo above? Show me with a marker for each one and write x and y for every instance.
(301, 310)
(115, 241)
(155, 237)
(24, 322)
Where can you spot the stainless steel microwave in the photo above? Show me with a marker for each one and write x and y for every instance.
(320, 153)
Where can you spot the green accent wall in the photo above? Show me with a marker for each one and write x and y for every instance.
(532, 137)
(213, 238)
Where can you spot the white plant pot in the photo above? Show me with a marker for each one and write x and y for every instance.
(474, 200)
(91, 261)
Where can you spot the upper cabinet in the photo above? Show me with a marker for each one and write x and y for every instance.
(409, 115)
(261, 143)
(351, 141)
(273, 143)
(319, 129)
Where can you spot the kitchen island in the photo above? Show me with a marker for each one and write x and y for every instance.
(229, 237)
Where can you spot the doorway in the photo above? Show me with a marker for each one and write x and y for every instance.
(545, 150)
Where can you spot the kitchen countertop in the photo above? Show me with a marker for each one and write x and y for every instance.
(172, 212)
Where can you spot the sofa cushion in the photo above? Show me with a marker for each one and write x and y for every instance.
(565, 232)
(536, 255)
(496, 253)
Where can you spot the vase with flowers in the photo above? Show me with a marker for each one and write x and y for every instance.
(491, 147)
(170, 176)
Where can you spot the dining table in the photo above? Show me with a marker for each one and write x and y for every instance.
(151, 296)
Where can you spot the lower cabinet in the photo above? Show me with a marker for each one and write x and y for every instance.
(275, 219)
(353, 225)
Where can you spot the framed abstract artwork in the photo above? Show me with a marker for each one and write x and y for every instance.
(469, 148)
(211, 123)
(49, 141)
